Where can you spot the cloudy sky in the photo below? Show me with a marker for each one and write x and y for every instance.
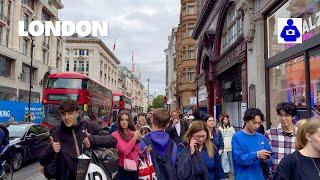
(141, 25)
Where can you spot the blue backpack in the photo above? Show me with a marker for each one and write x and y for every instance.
(165, 166)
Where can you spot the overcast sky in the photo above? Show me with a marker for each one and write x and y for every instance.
(141, 25)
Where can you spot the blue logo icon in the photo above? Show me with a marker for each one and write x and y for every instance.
(289, 30)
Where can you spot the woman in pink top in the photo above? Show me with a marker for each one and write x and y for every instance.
(128, 145)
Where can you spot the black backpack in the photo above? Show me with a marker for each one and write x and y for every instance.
(164, 166)
(5, 140)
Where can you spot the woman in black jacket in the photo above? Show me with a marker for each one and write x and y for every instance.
(67, 140)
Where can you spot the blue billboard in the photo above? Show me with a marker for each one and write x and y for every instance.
(18, 110)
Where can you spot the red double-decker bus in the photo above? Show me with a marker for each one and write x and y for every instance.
(92, 97)
(120, 102)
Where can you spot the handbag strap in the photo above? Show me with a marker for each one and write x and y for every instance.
(76, 142)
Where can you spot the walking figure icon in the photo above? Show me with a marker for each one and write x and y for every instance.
(290, 32)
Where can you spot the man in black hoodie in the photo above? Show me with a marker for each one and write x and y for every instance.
(67, 140)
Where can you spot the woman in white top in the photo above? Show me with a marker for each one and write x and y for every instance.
(227, 133)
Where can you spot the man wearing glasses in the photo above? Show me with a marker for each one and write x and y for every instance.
(283, 137)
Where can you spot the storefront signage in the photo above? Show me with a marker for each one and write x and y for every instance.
(193, 100)
(18, 110)
(236, 55)
(311, 23)
(203, 94)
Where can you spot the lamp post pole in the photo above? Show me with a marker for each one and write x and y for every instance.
(30, 79)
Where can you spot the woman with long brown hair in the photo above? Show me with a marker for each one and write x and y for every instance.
(128, 148)
(197, 156)
(304, 163)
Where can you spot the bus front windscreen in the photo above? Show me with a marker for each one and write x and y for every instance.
(63, 83)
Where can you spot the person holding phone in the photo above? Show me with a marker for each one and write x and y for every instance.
(197, 156)
(251, 152)
(283, 137)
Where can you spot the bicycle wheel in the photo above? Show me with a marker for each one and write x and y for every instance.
(8, 172)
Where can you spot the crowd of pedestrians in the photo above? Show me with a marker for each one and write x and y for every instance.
(165, 146)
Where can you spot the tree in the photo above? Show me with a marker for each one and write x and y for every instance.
(158, 102)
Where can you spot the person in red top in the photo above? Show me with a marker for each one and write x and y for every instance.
(128, 139)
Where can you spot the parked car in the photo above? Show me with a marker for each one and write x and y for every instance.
(26, 142)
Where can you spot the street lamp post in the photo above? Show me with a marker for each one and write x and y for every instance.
(30, 79)
(148, 90)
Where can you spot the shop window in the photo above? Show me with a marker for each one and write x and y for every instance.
(315, 81)
(287, 84)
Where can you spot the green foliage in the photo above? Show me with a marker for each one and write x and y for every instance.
(158, 102)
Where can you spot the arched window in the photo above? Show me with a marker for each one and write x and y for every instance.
(232, 28)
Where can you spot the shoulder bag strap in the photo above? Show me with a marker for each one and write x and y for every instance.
(76, 142)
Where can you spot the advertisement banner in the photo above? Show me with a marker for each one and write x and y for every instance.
(18, 110)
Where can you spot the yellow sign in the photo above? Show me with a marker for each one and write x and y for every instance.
(85, 107)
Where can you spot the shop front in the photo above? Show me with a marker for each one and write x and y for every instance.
(293, 70)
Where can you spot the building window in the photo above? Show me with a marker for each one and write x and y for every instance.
(45, 16)
(190, 9)
(75, 52)
(25, 74)
(1, 7)
(7, 37)
(191, 52)
(83, 52)
(68, 65)
(191, 74)
(44, 57)
(25, 47)
(75, 66)
(189, 30)
(87, 66)
(9, 12)
(5, 66)
(26, 21)
(174, 64)
(232, 28)
(81, 66)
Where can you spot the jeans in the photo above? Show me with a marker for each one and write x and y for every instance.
(226, 162)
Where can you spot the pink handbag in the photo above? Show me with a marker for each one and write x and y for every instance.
(130, 165)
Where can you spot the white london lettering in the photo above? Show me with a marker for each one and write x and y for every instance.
(305, 27)
(64, 28)
(311, 25)
(318, 18)
(55, 29)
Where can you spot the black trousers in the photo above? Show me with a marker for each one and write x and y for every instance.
(126, 175)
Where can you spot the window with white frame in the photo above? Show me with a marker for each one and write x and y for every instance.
(232, 28)
(191, 52)
(191, 74)
(190, 9)
(189, 29)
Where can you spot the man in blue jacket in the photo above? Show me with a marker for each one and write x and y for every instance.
(251, 152)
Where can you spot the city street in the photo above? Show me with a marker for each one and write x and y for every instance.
(29, 172)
